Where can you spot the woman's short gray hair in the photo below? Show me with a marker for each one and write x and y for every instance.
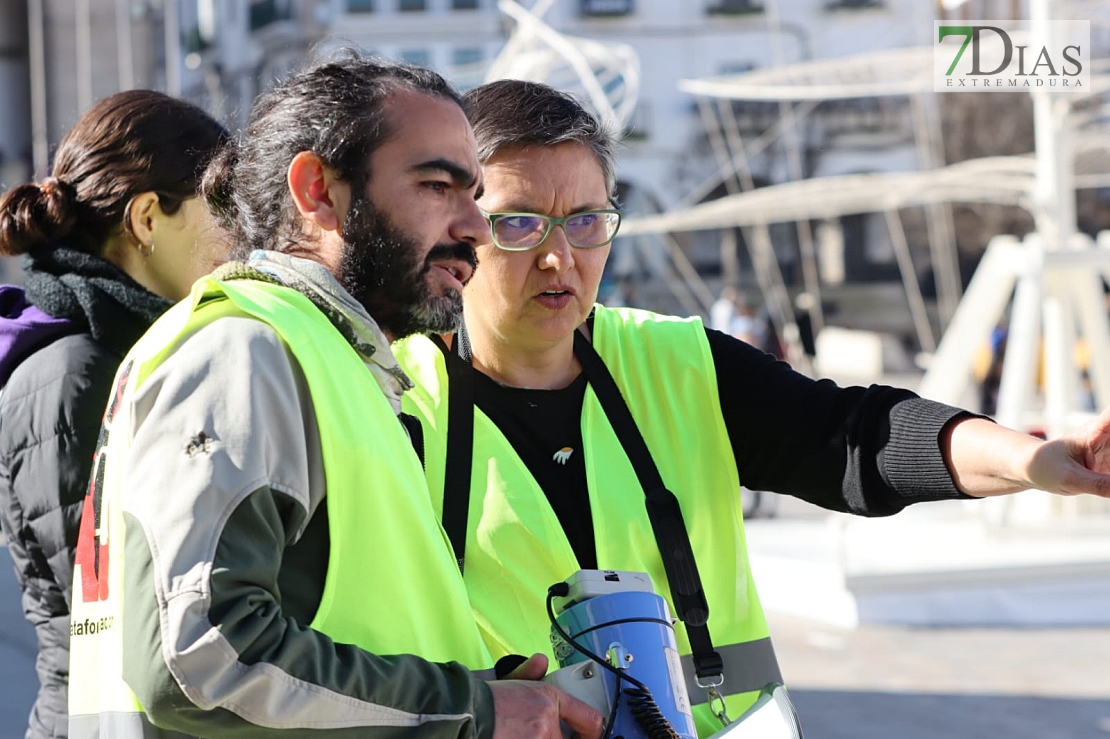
(514, 114)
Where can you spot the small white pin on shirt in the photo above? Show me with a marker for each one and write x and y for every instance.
(562, 455)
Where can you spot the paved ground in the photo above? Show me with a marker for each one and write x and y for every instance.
(876, 682)
(886, 682)
(866, 683)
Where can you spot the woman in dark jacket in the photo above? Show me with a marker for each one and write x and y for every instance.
(108, 243)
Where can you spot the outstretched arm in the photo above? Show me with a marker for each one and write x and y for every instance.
(987, 459)
(869, 451)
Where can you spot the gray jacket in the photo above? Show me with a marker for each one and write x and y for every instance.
(232, 556)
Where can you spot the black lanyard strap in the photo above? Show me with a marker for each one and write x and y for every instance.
(460, 444)
(664, 513)
(662, 506)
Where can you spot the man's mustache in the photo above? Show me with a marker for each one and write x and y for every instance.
(461, 251)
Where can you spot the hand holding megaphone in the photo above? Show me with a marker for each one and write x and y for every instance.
(526, 706)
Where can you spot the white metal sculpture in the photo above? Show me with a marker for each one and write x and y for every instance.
(1055, 279)
(606, 74)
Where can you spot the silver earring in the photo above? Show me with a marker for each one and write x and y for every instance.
(147, 252)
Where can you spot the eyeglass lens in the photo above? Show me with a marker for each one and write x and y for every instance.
(582, 229)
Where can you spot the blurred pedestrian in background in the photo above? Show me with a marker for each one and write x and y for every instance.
(723, 309)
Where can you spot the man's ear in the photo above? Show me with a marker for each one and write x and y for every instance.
(140, 215)
(320, 197)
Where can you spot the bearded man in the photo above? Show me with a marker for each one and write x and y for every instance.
(259, 551)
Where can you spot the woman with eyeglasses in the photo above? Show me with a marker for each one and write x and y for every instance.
(552, 425)
(108, 242)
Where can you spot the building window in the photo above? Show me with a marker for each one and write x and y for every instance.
(464, 4)
(406, 6)
(468, 68)
(194, 42)
(265, 12)
(853, 4)
(419, 57)
(466, 56)
(734, 7)
(607, 8)
(360, 6)
(730, 68)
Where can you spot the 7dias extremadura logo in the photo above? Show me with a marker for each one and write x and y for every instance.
(982, 56)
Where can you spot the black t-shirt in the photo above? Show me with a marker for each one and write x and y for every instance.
(871, 451)
(545, 429)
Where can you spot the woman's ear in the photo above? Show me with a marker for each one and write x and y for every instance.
(319, 196)
(140, 215)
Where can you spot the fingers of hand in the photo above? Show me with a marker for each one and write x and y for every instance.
(582, 718)
(534, 709)
(1086, 481)
(533, 668)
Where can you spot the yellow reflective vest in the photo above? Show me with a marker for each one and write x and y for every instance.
(516, 547)
(386, 543)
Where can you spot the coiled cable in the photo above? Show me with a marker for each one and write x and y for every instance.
(640, 701)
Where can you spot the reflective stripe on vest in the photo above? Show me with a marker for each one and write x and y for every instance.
(516, 547)
(364, 450)
(749, 666)
(116, 725)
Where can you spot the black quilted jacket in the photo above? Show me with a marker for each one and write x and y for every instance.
(50, 413)
(51, 406)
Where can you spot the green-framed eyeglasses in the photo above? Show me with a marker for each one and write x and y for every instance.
(524, 231)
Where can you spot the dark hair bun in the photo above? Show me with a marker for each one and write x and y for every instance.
(35, 214)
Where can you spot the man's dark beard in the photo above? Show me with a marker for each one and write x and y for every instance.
(380, 269)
